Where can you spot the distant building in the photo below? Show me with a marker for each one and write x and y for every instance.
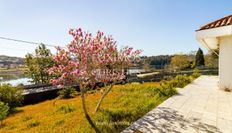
(10, 62)
(13, 65)
(1, 64)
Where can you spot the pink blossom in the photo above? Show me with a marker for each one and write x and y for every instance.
(86, 55)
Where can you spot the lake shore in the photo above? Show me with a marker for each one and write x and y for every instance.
(12, 71)
(13, 76)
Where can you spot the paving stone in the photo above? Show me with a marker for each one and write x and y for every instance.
(201, 107)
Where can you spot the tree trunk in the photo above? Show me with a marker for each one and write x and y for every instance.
(85, 111)
(102, 97)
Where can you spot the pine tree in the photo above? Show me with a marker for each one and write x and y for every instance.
(199, 59)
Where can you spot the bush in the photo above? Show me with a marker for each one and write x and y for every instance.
(196, 73)
(167, 89)
(10, 95)
(4, 110)
(181, 81)
(67, 92)
(66, 109)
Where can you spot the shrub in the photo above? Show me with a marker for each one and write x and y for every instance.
(58, 123)
(67, 92)
(167, 89)
(10, 95)
(4, 110)
(65, 109)
(33, 124)
(181, 81)
(196, 73)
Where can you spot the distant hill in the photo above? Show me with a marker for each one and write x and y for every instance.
(10, 62)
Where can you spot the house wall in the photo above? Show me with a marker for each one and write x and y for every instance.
(225, 62)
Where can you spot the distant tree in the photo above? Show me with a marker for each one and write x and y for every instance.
(192, 56)
(159, 62)
(147, 67)
(38, 64)
(211, 59)
(199, 59)
(180, 62)
(155, 62)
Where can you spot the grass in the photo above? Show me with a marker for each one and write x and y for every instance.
(121, 107)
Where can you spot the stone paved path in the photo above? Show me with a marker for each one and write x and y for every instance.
(199, 107)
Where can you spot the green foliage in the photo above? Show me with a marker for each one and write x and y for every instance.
(10, 95)
(155, 62)
(67, 92)
(181, 62)
(199, 59)
(181, 81)
(196, 73)
(58, 123)
(4, 110)
(146, 67)
(66, 109)
(33, 124)
(39, 63)
(211, 60)
(167, 89)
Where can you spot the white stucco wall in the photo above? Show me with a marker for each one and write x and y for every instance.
(225, 62)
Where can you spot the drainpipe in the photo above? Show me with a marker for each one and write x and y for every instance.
(204, 43)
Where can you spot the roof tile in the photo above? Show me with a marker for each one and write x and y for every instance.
(218, 23)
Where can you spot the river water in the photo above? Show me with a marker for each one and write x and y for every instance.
(22, 79)
(15, 82)
(14, 79)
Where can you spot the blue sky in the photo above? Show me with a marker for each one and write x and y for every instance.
(155, 26)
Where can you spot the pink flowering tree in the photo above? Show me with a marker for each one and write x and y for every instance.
(88, 60)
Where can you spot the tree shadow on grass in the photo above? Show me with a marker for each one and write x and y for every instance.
(11, 113)
(14, 112)
(2, 124)
(113, 121)
(165, 120)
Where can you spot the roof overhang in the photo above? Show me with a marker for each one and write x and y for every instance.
(209, 38)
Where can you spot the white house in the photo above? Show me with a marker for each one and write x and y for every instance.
(218, 35)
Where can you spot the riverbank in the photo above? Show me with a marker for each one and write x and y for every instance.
(12, 71)
(14, 76)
